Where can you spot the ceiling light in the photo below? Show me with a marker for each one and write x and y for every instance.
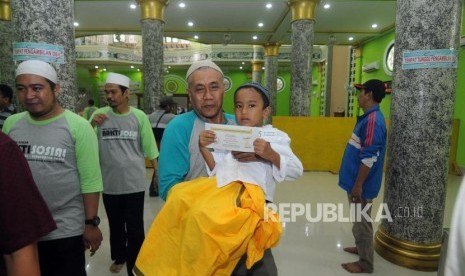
(255, 37)
(196, 37)
(104, 69)
(351, 38)
(132, 66)
(76, 24)
(269, 5)
(138, 70)
(190, 23)
(96, 66)
(240, 67)
(260, 24)
(327, 6)
(182, 5)
(133, 6)
(243, 63)
(374, 26)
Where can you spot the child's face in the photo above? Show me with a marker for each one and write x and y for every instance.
(248, 107)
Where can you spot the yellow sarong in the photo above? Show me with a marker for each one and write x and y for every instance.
(205, 230)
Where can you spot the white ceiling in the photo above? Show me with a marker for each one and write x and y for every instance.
(239, 18)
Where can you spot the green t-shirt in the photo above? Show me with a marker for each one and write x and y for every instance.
(62, 153)
(124, 142)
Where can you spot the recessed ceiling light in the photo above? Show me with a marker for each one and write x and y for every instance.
(374, 26)
(269, 5)
(76, 24)
(260, 24)
(133, 6)
(190, 23)
(351, 38)
(132, 66)
(327, 6)
(240, 67)
(182, 5)
(243, 63)
(255, 37)
(196, 37)
(96, 66)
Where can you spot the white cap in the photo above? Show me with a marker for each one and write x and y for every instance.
(37, 67)
(203, 63)
(118, 79)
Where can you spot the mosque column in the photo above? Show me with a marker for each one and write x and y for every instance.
(303, 20)
(419, 139)
(257, 63)
(94, 76)
(50, 22)
(271, 72)
(152, 24)
(7, 66)
(257, 70)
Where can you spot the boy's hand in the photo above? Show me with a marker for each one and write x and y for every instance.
(263, 149)
(206, 137)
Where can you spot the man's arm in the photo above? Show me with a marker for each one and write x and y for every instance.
(206, 138)
(92, 234)
(362, 175)
(23, 262)
(173, 162)
(90, 177)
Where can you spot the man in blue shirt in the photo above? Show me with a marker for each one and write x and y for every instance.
(362, 170)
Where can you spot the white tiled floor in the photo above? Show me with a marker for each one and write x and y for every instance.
(305, 248)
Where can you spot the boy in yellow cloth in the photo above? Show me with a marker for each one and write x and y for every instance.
(205, 230)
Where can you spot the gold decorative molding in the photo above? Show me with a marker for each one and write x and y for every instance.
(271, 49)
(422, 257)
(303, 9)
(153, 9)
(5, 10)
(358, 52)
(257, 65)
(94, 73)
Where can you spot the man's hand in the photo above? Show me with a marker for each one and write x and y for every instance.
(98, 119)
(92, 238)
(356, 194)
(244, 156)
(206, 137)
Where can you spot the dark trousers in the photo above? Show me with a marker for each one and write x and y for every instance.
(265, 267)
(62, 257)
(126, 220)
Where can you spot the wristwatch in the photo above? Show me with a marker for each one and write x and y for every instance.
(95, 221)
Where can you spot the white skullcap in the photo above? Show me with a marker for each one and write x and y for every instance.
(118, 79)
(203, 63)
(37, 67)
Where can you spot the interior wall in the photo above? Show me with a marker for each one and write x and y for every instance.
(340, 75)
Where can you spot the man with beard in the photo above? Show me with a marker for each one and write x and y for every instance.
(125, 138)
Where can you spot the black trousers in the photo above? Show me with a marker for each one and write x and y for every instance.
(126, 220)
(62, 257)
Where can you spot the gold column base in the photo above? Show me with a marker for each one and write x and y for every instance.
(422, 257)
